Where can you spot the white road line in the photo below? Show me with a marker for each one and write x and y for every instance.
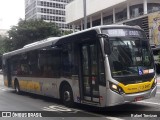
(56, 108)
(158, 92)
(149, 102)
(49, 109)
(3, 89)
(114, 118)
(61, 109)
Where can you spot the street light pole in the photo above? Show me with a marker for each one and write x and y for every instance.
(85, 17)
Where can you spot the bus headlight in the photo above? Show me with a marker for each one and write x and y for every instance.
(116, 88)
(154, 83)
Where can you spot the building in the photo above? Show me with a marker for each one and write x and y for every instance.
(144, 13)
(47, 10)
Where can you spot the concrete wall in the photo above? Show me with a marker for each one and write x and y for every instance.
(74, 10)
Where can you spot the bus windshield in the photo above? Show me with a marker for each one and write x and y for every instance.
(130, 56)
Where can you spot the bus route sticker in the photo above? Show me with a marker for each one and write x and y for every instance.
(140, 71)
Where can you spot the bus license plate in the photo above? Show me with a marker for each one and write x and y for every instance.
(138, 99)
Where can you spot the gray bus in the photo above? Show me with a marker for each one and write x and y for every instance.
(101, 66)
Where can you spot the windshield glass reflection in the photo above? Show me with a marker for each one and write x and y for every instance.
(130, 56)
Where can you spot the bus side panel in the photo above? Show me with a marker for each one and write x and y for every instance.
(75, 88)
(28, 84)
(103, 96)
(51, 87)
(5, 80)
(47, 86)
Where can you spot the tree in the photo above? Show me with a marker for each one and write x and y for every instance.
(67, 32)
(5, 45)
(29, 31)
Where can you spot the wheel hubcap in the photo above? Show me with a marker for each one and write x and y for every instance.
(67, 96)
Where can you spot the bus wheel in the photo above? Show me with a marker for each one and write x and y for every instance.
(17, 89)
(67, 96)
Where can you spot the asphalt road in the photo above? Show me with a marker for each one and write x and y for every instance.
(27, 106)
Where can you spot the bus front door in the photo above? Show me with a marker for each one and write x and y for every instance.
(89, 73)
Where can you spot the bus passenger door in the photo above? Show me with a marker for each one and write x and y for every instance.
(89, 72)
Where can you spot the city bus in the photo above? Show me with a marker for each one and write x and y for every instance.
(101, 66)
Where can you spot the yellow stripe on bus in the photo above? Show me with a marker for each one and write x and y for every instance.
(135, 88)
(23, 84)
(29, 85)
(6, 83)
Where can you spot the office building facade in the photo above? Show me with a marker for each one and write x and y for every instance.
(47, 10)
(144, 13)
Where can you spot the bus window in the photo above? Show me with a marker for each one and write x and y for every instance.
(67, 61)
(49, 62)
(20, 66)
(33, 64)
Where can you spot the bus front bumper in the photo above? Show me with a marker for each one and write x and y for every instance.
(116, 99)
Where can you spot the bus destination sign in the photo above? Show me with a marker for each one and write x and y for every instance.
(123, 32)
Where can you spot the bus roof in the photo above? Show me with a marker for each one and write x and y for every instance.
(53, 40)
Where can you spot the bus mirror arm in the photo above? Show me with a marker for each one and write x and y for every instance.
(106, 45)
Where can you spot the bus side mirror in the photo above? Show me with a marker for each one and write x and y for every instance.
(106, 45)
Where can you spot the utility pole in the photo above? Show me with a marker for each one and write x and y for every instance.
(85, 17)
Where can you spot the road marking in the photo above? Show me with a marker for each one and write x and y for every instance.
(158, 92)
(2, 89)
(5, 89)
(60, 109)
(56, 108)
(149, 102)
(114, 118)
(50, 109)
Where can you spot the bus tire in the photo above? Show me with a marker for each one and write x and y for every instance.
(16, 86)
(67, 96)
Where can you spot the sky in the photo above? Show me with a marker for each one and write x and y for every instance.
(10, 12)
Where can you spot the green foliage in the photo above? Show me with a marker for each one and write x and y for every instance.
(67, 32)
(30, 31)
(5, 45)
